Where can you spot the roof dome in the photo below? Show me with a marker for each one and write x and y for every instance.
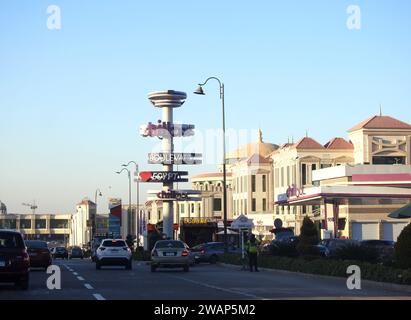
(259, 147)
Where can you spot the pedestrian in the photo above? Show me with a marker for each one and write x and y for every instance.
(251, 248)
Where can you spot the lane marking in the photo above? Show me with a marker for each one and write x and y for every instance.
(98, 296)
(75, 273)
(88, 286)
(80, 278)
(248, 295)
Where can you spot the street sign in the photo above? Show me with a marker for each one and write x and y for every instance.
(166, 129)
(242, 222)
(175, 195)
(163, 176)
(174, 158)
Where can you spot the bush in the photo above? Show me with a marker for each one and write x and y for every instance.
(403, 248)
(356, 252)
(308, 238)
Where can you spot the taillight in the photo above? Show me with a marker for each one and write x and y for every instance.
(184, 253)
(202, 251)
(154, 253)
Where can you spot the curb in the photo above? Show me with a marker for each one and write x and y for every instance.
(384, 285)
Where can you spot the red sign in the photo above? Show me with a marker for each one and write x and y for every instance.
(293, 191)
(163, 176)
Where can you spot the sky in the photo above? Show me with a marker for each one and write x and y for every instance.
(72, 99)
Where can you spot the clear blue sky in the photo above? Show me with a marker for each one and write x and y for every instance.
(71, 100)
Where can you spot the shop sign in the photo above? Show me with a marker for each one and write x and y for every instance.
(166, 129)
(196, 220)
(293, 191)
(163, 176)
(174, 158)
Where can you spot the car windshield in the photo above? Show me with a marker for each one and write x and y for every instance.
(169, 244)
(35, 244)
(114, 243)
(60, 249)
(11, 240)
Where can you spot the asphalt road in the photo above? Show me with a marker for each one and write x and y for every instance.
(80, 280)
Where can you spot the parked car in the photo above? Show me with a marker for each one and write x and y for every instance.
(113, 252)
(327, 247)
(39, 253)
(211, 251)
(76, 252)
(384, 248)
(14, 259)
(170, 254)
(60, 252)
(191, 254)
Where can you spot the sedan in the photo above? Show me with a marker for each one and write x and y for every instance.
(170, 254)
(76, 252)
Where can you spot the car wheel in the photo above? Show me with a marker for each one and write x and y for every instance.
(186, 268)
(153, 268)
(213, 259)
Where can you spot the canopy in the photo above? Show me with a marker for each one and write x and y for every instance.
(228, 232)
(401, 213)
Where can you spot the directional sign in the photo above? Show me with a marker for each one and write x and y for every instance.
(183, 192)
(174, 158)
(163, 176)
(163, 129)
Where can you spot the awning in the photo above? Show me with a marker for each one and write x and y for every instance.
(228, 232)
(401, 213)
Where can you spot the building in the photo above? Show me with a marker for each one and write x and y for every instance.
(82, 223)
(47, 227)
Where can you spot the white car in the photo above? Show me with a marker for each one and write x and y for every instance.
(113, 252)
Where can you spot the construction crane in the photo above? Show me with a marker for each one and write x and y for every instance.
(32, 206)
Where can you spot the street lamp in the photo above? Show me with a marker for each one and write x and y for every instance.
(137, 200)
(200, 91)
(129, 199)
(93, 226)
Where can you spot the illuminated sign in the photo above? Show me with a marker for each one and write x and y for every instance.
(166, 129)
(163, 176)
(174, 158)
(175, 195)
(293, 191)
(197, 220)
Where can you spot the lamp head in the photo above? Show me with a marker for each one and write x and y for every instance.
(199, 90)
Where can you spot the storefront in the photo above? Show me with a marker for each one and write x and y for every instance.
(195, 231)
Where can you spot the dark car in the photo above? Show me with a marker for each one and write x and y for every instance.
(40, 256)
(384, 248)
(211, 251)
(76, 252)
(60, 252)
(328, 247)
(14, 259)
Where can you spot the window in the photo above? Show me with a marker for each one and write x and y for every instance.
(264, 183)
(40, 223)
(325, 165)
(25, 224)
(159, 215)
(182, 207)
(149, 215)
(245, 206)
(264, 205)
(304, 174)
(217, 204)
(58, 223)
(253, 205)
(253, 183)
(192, 208)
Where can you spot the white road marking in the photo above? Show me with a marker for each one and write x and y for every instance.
(75, 273)
(98, 296)
(248, 295)
(80, 278)
(88, 286)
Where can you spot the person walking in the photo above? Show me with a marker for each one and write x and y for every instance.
(251, 248)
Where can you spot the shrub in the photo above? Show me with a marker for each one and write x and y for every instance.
(308, 238)
(403, 248)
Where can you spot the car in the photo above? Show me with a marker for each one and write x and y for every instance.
(39, 253)
(384, 248)
(76, 252)
(327, 247)
(14, 259)
(211, 251)
(114, 252)
(60, 252)
(170, 254)
(191, 254)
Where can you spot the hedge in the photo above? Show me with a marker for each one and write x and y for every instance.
(374, 272)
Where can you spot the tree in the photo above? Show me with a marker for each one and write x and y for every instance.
(308, 238)
(403, 248)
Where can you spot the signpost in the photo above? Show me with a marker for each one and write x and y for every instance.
(162, 129)
(174, 158)
(163, 176)
(243, 224)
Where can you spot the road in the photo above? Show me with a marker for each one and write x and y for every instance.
(80, 280)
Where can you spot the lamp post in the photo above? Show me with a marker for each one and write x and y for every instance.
(137, 200)
(129, 199)
(93, 225)
(200, 91)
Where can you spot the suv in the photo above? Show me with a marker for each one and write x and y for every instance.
(113, 252)
(328, 247)
(14, 259)
(210, 252)
(170, 254)
(76, 252)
